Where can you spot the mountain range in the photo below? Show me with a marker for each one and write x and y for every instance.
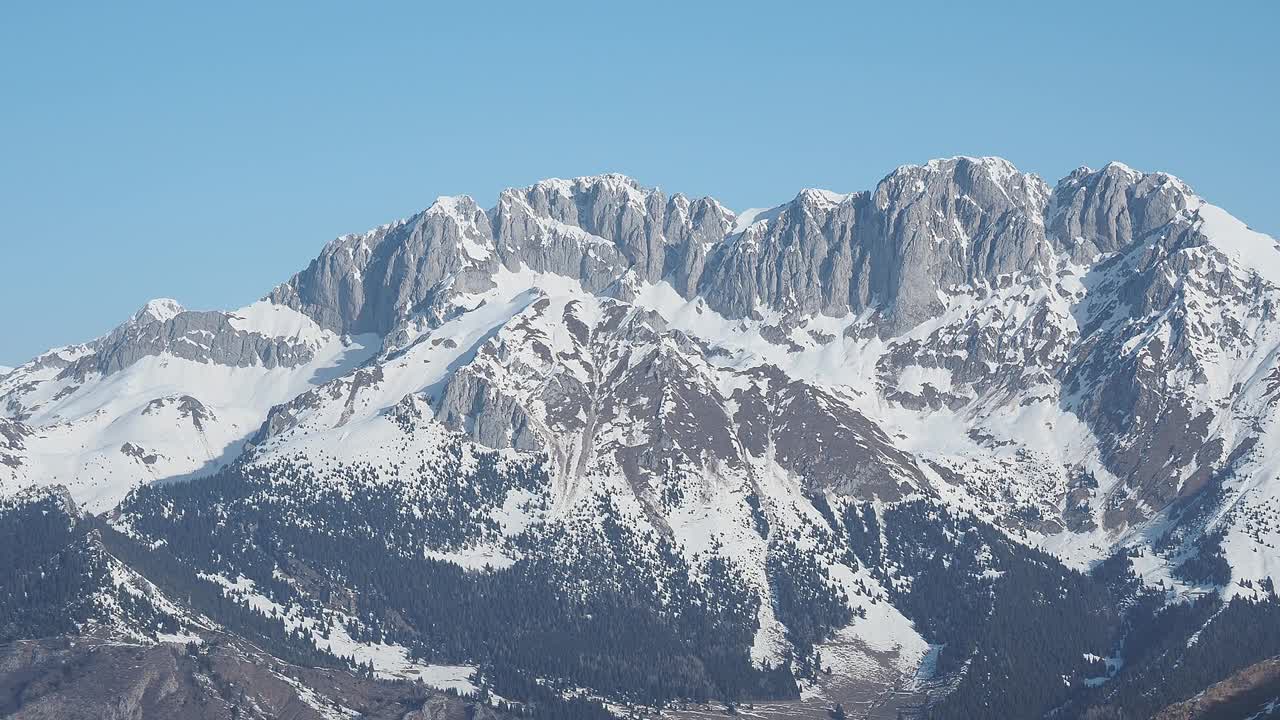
(967, 444)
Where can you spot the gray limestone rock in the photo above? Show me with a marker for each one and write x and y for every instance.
(370, 283)
(1097, 212)
(207, 337)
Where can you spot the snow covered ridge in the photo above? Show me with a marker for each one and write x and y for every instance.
(962, 330)
(167, 394)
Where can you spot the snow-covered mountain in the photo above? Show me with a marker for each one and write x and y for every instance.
(1089, 367)
(165, 394)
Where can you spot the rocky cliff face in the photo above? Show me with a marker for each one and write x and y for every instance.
(952, 222)
(962, 222)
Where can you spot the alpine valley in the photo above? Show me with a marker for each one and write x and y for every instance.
(967, 445)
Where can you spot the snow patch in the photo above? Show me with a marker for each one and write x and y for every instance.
(478, 558)
(389, 660)
(78, 438)
(159, 310)
(267, 318)
(746, 219)
(914, 377)
(1250, 248)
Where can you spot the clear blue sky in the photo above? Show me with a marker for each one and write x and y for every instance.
(206, 151)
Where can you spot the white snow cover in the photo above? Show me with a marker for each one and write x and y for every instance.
(160, 310)
(1252, 249)
(914, 378)
(103, 437)
(825, 197)
(746, 219)
(272, 320)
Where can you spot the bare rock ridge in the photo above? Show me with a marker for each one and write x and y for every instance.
(962, 221)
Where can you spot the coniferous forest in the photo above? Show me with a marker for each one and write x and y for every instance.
(1018, 630)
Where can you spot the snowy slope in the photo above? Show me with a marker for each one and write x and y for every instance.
(163, 416)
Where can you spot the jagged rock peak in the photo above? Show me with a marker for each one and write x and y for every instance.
(985, 180)
(824, 198)
(1092, 212)
(615, 182)
(960, 221)
(453, 205)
